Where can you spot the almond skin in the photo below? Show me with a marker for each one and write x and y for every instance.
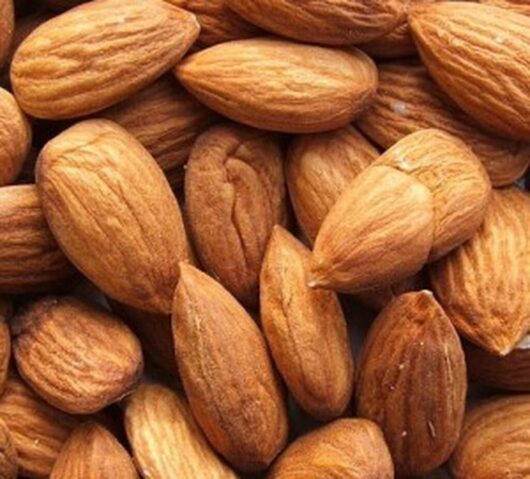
(92, 452)
(495, 440)
(7, 26)
(519, 6)
(8, 454)
(113, 213)
(476, 283)
(104, 357)
(236, 400)
(346, 448)
(97, 43)
(6, 311)
(413, 383)
(166, 440)
(274, 84)
(305, 330)
(235, 194)
(465, 46)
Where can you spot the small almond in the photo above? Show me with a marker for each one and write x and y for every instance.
(8, 454)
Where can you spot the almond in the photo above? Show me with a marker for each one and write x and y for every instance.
(113, 213)
(346, 448)
(101, 359)
(6, 311)
(7, 25)
(92, 452)
(495, 440)
(166, 440)
(305, 330)
(412, 382)
(476, 284)
(275, 84)
(235, 194)
(236, 399)
(520, 6)
(465, 46)
(8, 454)
(97, 54)
(408, 100)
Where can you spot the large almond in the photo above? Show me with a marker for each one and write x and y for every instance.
(112, 211)
(7, 25)
(8, 454)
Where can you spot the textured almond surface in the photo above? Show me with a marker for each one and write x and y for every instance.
(97, 54)
(7, 25)
(495, 441)
(345, 449)
(470, 49)
(305, 330)
(100, 359)
(413, 383)
(166, 440)
(275, 84)
(8, 454)
(227, 374)
(485, 284)
(113, 213)
(6, 310)
(520, 6)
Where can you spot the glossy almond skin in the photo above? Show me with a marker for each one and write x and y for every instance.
(495, 440)
(108, 50)
(484, 284)
(408, 101)
(165, 438)
(413, 382)
(235, 194)
(104, 357)
(37, 429)
(236, 400)
(274, 84)
(8, 454)
(466, 45)
(113, 213)
(6, 311)
(519, 6)
(305, 329)
(346, 448)
(7, 26)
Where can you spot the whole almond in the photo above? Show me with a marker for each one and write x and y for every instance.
(520, 6)
(8, 454)
(98, 54)
(413, 383)
(166, 440)
(236, 399)
(113, 213)
(7, 25)
(250, 81)
(100, 360)
(235, 194)
(6, 310)
(476, 283)
(346, 448)
(464, 45)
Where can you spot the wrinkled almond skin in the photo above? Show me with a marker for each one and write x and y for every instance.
(476, 284)
(470, 49)
(495, 440)
(7, 26)
(519, 6)
(8, 454)
(92, 452)
(113, 213)
(104, 358)
(235, 194)
(305, 329)
(97, 54)
(236, 400)
(346, 448)
(6, 311)
(165, 439)
(413, 383)
(274, 84)
(408, 100)
(37, 429)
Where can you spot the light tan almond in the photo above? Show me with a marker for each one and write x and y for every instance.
(8, 454)
(6, 311)
(520, 6)
(7, 26)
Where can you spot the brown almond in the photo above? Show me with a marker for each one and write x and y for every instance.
(100, 360)
(8, 454)
(520, 6)
(236, 399)
(7, 26)
(6, 311)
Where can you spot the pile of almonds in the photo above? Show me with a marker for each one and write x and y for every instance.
(281, 239)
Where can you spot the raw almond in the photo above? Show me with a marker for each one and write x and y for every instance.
(113, 213)
(165, 438)
(412, 382)
(470, 49)
(100, 360)
(408, 100)
(346, 448)
(92, 452)
(485, 284)
(251, 81)
(97, 54)
(520, 6)
(235, 194)
(236, 399)
(8, 454)
(7, 26)
(6, 311)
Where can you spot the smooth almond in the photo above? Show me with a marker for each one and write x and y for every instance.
(6, 311)
(8, 454)
(7, 26)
